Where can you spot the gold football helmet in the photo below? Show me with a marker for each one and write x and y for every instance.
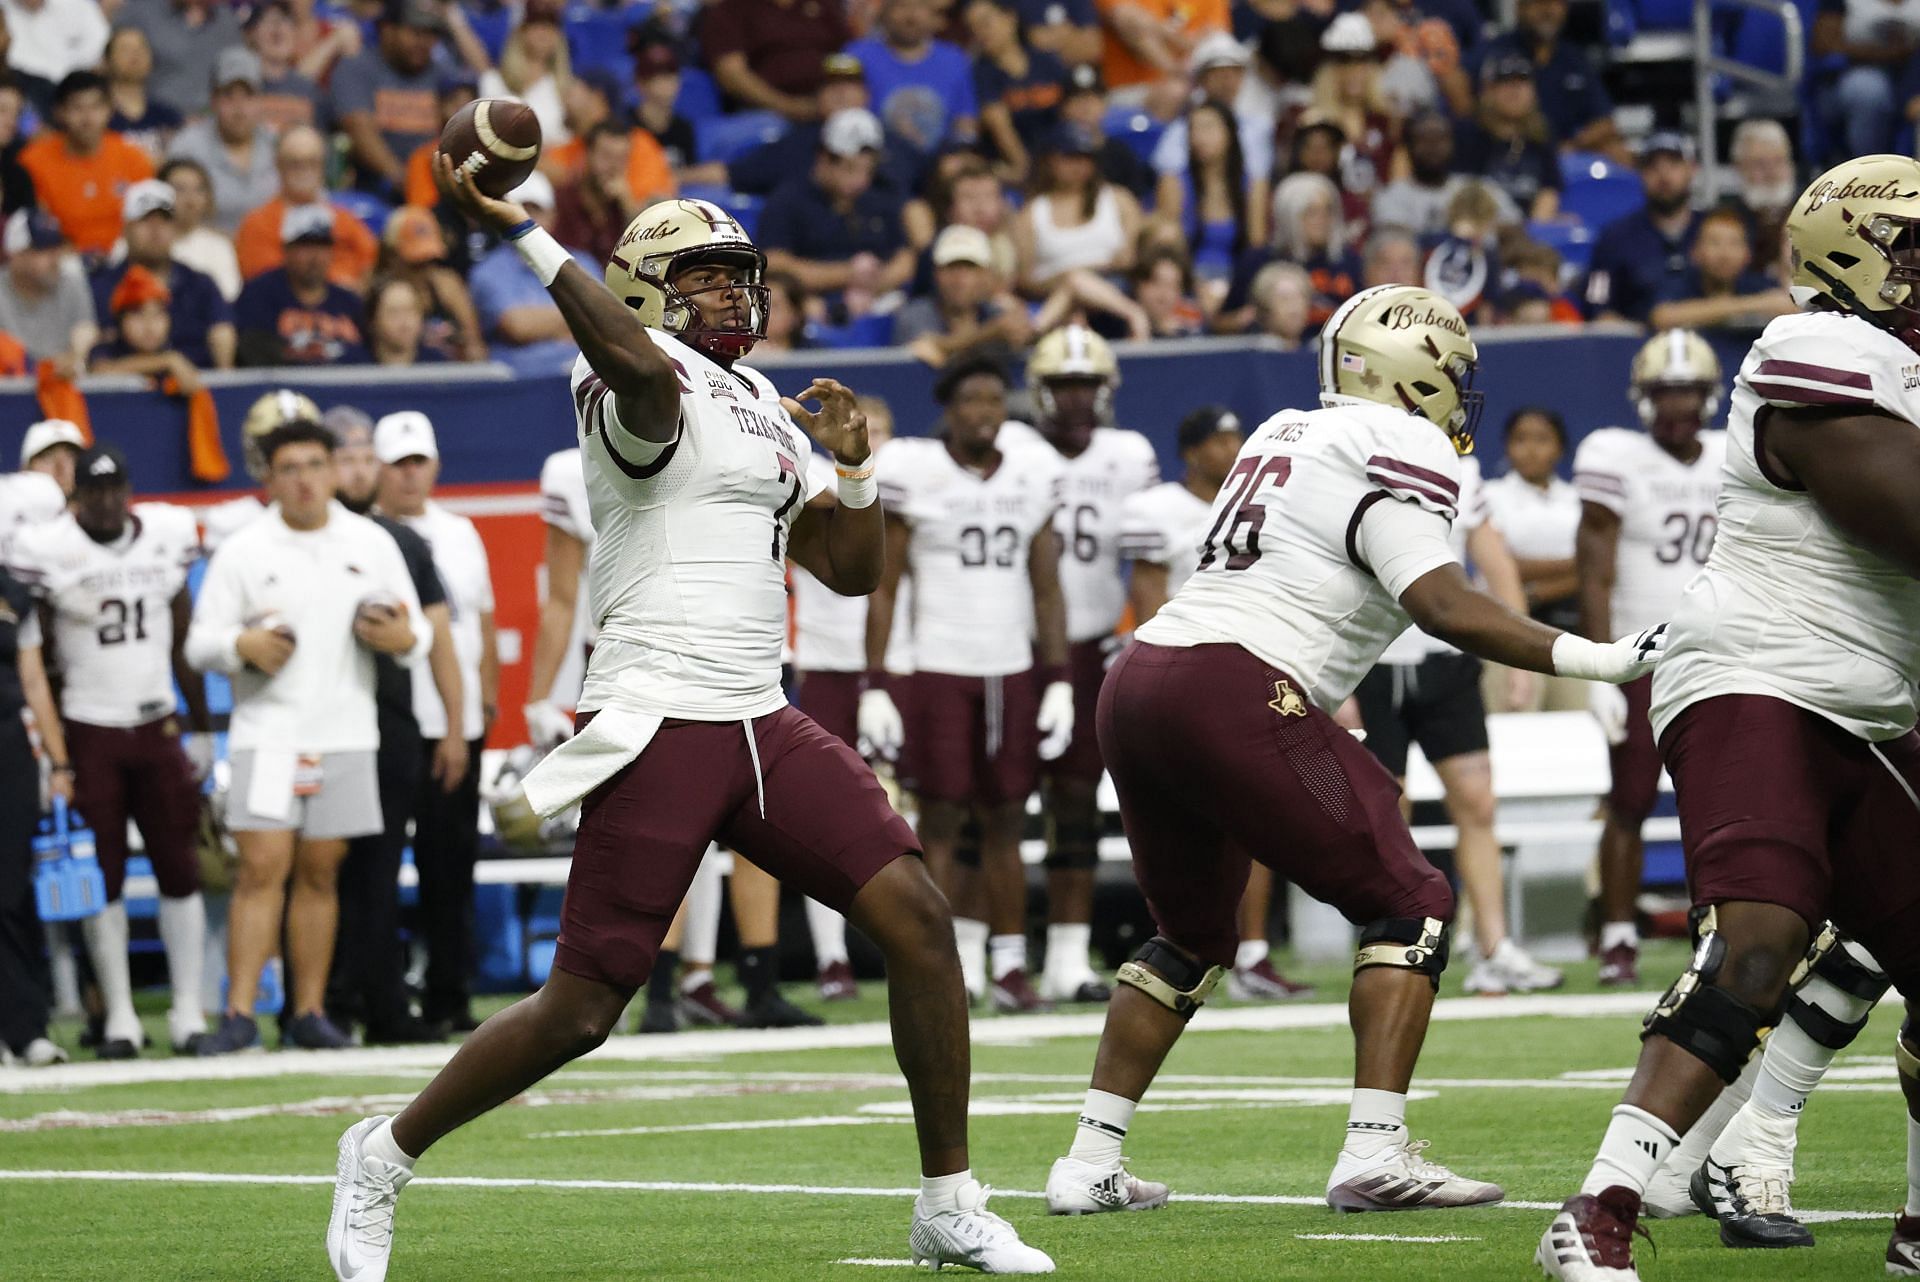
(1675, 358)
(275, 409)
(1072, 351)
(1854, 243)
(663, 241)
(1403, 346)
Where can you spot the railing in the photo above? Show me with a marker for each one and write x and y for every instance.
(1707, 64)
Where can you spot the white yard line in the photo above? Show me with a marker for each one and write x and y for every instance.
(1381, 1237)
(764, 1124)
(680, 1186)
(1003, 1031)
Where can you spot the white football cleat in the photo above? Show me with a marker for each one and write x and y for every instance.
(972, 1237)
(1075, 1187)
(1511, 970)
(1399, 1179)
(1668, 1196)
(360, 1231)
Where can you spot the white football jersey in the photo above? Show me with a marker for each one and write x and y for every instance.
(1164, 526)
(1281, 572)
(563, 505)
(1788, 605)
(1094, 488)
(1414, 646)
(829, 630)
(971, 537)
(689, 567)
(1667, 517)
(460, 559)
(27, 498)
(112, 609)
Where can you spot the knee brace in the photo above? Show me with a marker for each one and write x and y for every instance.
(1906, 1050)
(1178, 982)
(1836, 963)
(1708, 1023)
(1410, 943)
(1075, 843)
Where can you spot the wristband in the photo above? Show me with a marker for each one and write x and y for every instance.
(62, 769)
(1577, 657)
(541, 253)
(519, 229)
(858, 489)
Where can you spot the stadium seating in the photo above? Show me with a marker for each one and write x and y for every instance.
(1136, 128)
(699, 96)
(368, 208)
(746, 209)
(724, 137)
(1572, 241)
(1596, 190)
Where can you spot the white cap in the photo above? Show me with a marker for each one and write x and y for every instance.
(406, 434)
(852, 130)
(148, 196)
(536, 190)
(1348, 33)
(46, 434)
(962, 244)
(1217, 49)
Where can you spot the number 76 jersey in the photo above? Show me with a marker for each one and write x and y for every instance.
(1666, 511)
(1282, 573)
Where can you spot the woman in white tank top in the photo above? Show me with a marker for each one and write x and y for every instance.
(1076, 220)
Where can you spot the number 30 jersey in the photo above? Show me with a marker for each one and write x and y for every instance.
(968, 554)
(112, 609)
(1283, 573)
(1666, 511)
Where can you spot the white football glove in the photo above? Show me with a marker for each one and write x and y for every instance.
(548, 725)
(1608, 704)
(1614, 662)
(199, 749)
(881, 729)
(1055, 720)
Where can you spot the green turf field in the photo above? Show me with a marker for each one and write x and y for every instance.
(664, 1158)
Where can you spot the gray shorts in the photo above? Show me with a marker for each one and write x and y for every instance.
(347, 804)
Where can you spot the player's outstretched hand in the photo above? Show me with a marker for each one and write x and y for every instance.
(1608, 704)
(840, 425)
(486, 210)
(1615, 662)
(1055, 720)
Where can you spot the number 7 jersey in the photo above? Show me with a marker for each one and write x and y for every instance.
(1281, 573)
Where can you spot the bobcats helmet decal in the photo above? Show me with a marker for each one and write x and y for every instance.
(667, 238)
(275, 409)
(1072, 351)
(1403, 346)
(1676, 358)
(1855, 244)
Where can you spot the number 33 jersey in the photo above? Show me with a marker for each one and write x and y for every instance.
(1284, 568)
(112, 609)
(969, 540)
(1666, 511)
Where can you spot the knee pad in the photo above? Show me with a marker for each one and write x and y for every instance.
(1075, 843)
(1177, 981)
(1709, 1023)
(1835, 990)
(1906, 1050)
(1410, 943)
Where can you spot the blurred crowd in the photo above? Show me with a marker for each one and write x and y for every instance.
(191, 185)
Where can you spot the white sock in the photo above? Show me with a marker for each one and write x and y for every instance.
(970, 937)
(937, 1191)
(1698, 1142)
(1250, 954)
(700, 941)
(1913, 1168)
(1793, 1063)
(693, 977)
(183, 929)
(1615, 933)
(1635, 1145)
(106, 935)
(1067, 947)
(380, 1143)
(829, 931)
(1376, 1120)
(66, 971)
(1104, 1120)
(1007, 953)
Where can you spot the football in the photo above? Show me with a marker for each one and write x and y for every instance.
(496, 141)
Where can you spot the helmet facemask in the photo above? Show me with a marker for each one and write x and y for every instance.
(1464, 421)
(1896, 238)
(681, 314)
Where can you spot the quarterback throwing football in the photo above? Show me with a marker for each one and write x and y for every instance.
(699, 487)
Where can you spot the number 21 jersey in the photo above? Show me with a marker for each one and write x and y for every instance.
(1666, 511)
(1281, 573)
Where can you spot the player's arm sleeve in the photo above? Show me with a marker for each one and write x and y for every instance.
(219, 617)
(25, 563)
(1141, 537)
(556, 508)
(1148, 463)
(1399, 542)
(1413, 462)
(1816, 371)
(1598, 474)
(893, 474)
(632, 455)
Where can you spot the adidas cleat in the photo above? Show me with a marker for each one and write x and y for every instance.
(1591, 1239)
(1752, 1204)
(1400, 1179)
(1075, 1187)
(972, 1237)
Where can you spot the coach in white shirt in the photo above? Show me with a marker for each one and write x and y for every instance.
(447, 819)
(294, 606)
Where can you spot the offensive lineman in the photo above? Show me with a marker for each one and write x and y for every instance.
(696, 474)
(1330, 533)
(1785, 711)
(111, 580)
(989, 699)
(1160, 534)
(1646, 526)
(1072, 377)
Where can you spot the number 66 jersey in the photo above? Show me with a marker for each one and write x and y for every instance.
(1296, 565)
(1666, 511)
